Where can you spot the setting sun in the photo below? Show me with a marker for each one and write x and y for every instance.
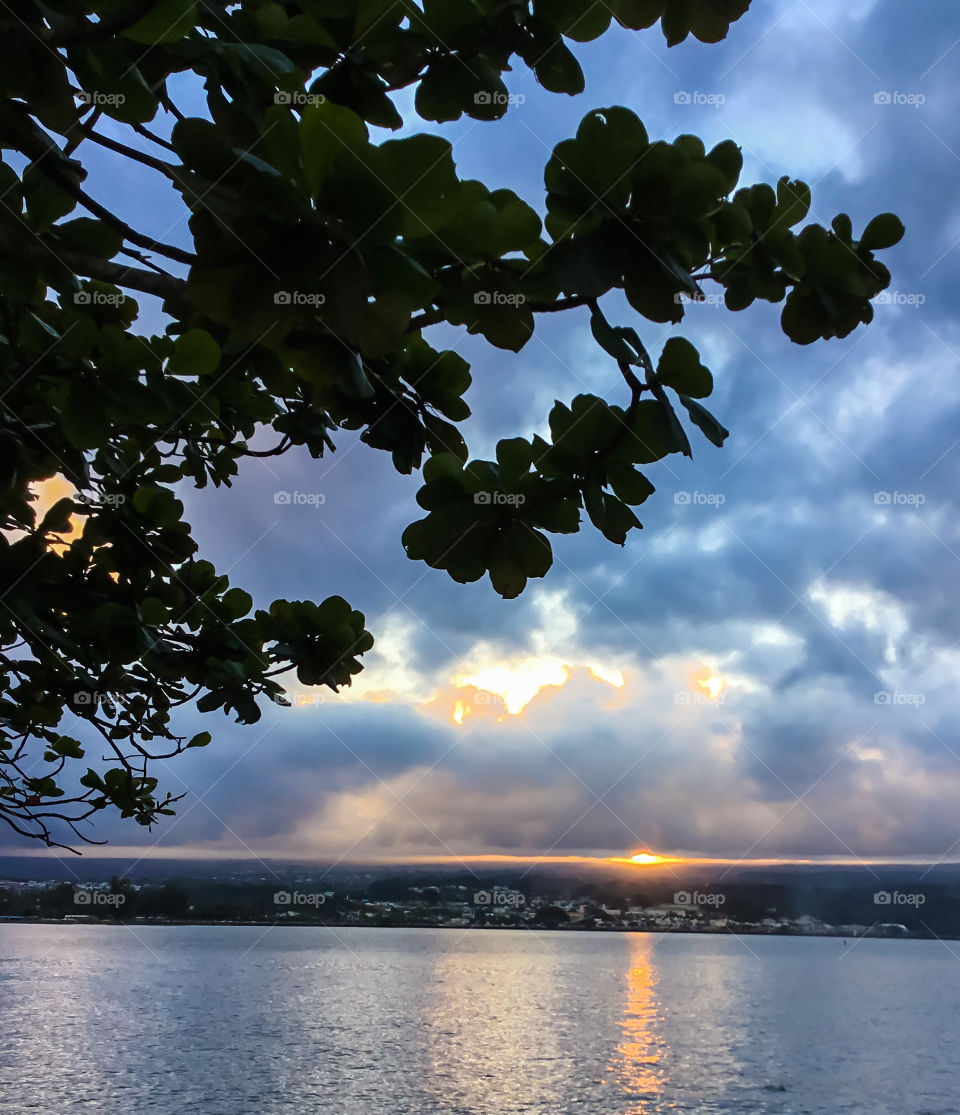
(645, 859)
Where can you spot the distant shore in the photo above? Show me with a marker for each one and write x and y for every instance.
(704, 931)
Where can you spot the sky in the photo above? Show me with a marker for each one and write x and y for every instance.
(770, 668)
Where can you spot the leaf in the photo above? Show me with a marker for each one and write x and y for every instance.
(558, 70)
(704, 421)
(168, 21)
(610, 340)
(514, 455)
(629, 484)
(882, 232)
(680, 368)
(329, 134)
(83, 420)
(201, 739)
(92, 238)
(195, 353)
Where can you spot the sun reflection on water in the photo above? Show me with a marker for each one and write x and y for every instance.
(638, 1062)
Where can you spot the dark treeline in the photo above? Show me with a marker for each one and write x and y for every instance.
(425, 897)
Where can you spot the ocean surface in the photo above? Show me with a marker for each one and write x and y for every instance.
(230, 1020)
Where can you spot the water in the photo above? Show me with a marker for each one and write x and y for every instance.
(230, 1020)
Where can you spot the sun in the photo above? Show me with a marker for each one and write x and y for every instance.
(645, 859)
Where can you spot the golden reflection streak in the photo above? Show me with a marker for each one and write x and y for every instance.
(638, 1065)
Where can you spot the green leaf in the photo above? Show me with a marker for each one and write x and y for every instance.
(610, 340)
(514, 455)
(628, 483)
(705, 422)
(680, 368)
(201, 739)
(421, 175)
(168, 21)
(558, 70)
(237, 602)
(882, 232)
(83, 420)
(90, 237)
(195, 353)
(153, 612)
(329, 134)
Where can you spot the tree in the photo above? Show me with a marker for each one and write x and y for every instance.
(320, 257)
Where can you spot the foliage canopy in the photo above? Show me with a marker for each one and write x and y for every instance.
(320, 257)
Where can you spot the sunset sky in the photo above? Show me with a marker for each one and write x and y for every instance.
(770, 668)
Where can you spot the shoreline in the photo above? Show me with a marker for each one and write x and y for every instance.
(741, 931)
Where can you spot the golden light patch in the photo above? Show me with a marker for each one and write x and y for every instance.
(47, 493)
(608, 674)
(710, 683)
(516, 684)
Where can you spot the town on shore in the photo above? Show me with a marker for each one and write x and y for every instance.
(303, 899)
